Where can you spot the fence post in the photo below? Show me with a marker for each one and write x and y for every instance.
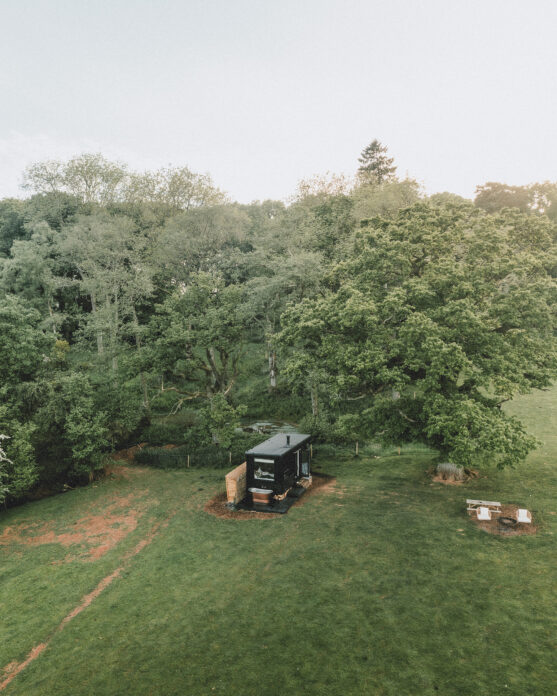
(357, 448)
(188, 461)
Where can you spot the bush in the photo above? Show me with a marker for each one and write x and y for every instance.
(208, 456)
(18, 468)
(164, 433)
(184, 428)
(330, 449)
(323, 428)
(177, 458)
(278, 404)
(243, 442)
(317, 426)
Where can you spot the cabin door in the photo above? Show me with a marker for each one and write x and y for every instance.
(304, 463)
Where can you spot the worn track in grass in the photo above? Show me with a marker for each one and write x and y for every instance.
(10, 671)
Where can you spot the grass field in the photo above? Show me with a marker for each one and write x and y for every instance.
(377, 586)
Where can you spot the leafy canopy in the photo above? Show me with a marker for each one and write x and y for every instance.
(437, 317)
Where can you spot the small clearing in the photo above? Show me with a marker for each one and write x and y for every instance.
(492, 526)
(321, 483)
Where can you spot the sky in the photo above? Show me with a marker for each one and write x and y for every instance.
(261, 94)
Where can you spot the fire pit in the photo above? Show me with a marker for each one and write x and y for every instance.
(506, 524)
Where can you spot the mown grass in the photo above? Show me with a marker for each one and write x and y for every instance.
(379, 587)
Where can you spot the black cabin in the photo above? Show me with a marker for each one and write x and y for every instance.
(278, 463)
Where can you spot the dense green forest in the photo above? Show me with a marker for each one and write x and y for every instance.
(149, 307)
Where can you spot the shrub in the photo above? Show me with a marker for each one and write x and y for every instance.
(221, 419)
(164, 433)
(184, 428)
(208, 456)
(177, 458)
(278, 404)
(243, 442)
(331, 449)
(18, 469)
(319, 427)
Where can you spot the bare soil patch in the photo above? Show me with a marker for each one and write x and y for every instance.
(492, 526)
(12, 669)
(321, 483)
(447, 482)
(97, 533)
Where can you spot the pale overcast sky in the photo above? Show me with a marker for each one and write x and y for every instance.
(261, 94)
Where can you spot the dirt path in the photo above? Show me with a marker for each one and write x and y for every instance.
(11, 670)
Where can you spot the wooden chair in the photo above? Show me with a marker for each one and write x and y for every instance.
(483, 513)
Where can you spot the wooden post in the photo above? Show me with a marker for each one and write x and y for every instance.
(399, 450)
(230, 456)
(188, 461)
(310, 451)
(357, 448)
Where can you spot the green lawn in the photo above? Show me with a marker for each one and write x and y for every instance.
(379, 587)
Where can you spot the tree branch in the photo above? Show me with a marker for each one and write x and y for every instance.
(410, 420)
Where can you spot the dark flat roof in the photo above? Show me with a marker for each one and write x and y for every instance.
(276, 445)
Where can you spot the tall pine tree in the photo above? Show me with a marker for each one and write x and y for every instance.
(376, 166)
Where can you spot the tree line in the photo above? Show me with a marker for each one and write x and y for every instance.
(362, 308)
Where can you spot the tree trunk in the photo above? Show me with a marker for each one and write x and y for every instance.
(114, 335)
(272, 368)
(146, 403)
(51, 313)
(100, 345)
(217, 380)
(314, 402)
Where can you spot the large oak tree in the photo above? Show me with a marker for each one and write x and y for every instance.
(437, 318)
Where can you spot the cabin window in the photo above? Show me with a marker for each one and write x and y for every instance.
(264, 469)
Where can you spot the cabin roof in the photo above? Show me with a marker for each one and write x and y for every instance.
(276, 446)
